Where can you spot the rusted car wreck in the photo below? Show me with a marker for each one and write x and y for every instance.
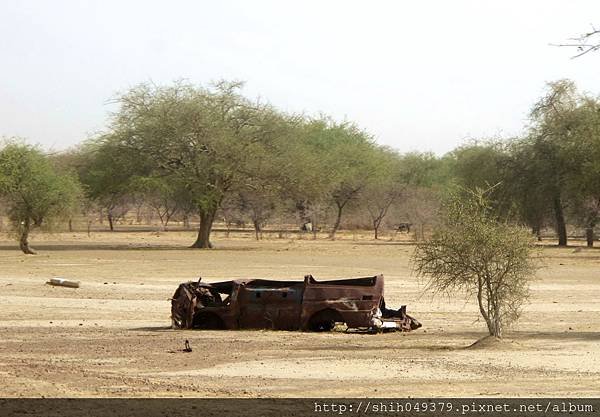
(308, 305)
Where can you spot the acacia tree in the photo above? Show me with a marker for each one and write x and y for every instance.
(485, 164)
(106, 170)
(34, 193)
(555, 168)
(258, 204)
(164, 195)
(355, 169)
(473, 251)
(304, 176)
(345, 157)
(270, 176)
(583, 179)
(419, 207)
(384, 188)
(554, 120)
(524, 186)
(425, 178)
(204, 137)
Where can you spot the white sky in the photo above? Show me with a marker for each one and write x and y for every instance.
(419, 75)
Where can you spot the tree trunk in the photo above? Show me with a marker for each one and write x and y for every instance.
(24, 239)
(186, 221)
(482, 308)
(497, 322)
(257, 232)
(536, 230)
(71, 225)
(589, 236)
(207, 218)
(338, 220)
(163, 223)
(377, 223)
(111, 224)
(138, 214)
(561, 227)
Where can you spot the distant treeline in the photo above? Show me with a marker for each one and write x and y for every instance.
(183, 152)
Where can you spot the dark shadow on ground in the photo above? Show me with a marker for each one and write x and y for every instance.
(157, 229)
(386, 243)
(578, 248)
(449, 341)
(92, 246)
(153, 329)
(112, 247)
(570, 335)
(572, 257)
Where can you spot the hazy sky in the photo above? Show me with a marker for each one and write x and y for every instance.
(419, 75)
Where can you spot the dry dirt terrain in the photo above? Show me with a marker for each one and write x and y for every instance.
(111, 337)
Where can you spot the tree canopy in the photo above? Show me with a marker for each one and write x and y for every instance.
(211, 154)
(33, 192)
(475, 252)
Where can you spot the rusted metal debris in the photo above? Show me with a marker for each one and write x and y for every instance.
(308, 305)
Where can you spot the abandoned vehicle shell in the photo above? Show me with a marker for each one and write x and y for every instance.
(287, 305)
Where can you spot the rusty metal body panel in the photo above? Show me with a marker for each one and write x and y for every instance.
(356, 300)
(284, 305)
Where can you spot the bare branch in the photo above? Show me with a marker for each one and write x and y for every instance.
(583, 44)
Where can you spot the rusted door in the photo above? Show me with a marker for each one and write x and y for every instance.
(269, 308)
(283, 307)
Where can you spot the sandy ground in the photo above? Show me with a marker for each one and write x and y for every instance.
(111, 337)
